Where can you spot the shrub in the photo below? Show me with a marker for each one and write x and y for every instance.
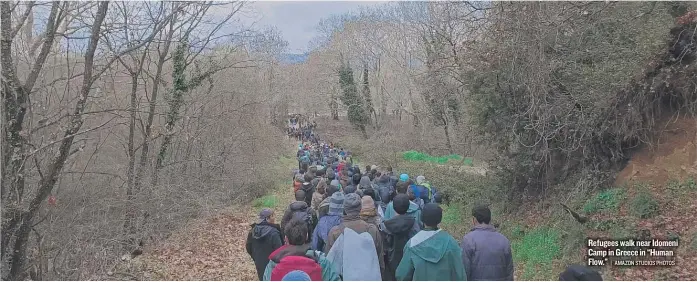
(268, 201)
(605, 201)
(644, 205)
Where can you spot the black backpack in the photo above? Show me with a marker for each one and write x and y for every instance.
(386, 192)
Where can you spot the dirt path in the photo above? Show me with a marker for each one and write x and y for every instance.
(212, 248)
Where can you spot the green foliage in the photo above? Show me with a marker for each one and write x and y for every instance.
(606, 201)
(538, 248)
(268, 201)
(644, 205)
(547, 91)
(350, 98)
(452, 214)
(423, 157)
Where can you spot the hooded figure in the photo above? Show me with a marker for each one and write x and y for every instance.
(365, 183)
(333, 218)
(369, 212)
(264, 238)
(432, 254)
(352, 220)
(385, 190)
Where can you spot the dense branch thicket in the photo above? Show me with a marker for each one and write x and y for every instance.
(571, 88)
(124, 120)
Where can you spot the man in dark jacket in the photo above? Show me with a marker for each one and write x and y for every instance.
(308, 188)
(264, 238)
(486, 253)
(300, 210)
(396, 232)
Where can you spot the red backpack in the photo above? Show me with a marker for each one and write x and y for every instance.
(305, 263)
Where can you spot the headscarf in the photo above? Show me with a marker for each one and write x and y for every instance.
(368, 207)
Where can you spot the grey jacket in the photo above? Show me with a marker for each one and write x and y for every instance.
(486, 254)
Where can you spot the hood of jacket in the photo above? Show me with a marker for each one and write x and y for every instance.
(384, 179)
(412, 208)
(263, 229)
(288, 250)
(430, 245)
(365, 182)
(298, 206)
(399, 224)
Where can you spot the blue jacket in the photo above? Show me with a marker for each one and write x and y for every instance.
(319, 236)
(486, 254)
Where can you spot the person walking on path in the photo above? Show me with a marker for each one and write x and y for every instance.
(369, 212)
(413, 210)
(432, 254)
(352, 220)
(264, 238)
(396, 232)
(333, 218)
(301, 210)
(298, 255)
(486, 253)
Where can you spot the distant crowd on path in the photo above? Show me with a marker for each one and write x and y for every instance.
(299, 128)
(350, 225)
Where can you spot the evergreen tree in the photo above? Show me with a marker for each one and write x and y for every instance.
(369, 110)
(350, 98)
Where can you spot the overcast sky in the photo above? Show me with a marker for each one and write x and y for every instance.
(297, 19)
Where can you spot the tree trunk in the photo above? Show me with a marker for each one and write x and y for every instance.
(447, 139)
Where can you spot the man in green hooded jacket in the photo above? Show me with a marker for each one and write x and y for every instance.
(432, 254)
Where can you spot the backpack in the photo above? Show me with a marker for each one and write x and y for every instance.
(304, 216)
(423, 191)
(353, 256)
(386, 192)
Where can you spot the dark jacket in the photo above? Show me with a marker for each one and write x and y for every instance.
(486, 254)
(262, 240)
(396, 232)
(296, 207)
(309, 190)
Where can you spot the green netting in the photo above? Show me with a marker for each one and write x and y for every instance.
(422, 157)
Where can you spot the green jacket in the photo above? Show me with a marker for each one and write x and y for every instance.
(328, 273)
(431, 255)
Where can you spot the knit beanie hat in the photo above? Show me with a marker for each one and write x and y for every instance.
(431, 215)
(336, 204)
(420, 179)
(352, 204)
(296, 275)
(335, 183)
(404, 177)
(400, 203)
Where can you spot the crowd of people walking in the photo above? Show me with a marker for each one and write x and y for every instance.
(348, 224)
